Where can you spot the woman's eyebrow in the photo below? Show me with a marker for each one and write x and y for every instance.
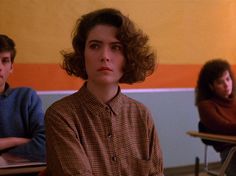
(117, 42)
(94, 41)
(98, 41)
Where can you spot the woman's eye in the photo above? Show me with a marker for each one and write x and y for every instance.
(7, 60)
(228, 78)
(94, 46)
(117, 47)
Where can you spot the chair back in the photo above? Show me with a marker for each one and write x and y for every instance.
(202, 128)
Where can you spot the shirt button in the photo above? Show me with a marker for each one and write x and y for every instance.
(109, 135)
(114, 158)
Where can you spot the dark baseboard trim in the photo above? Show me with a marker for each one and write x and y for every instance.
(190, 169)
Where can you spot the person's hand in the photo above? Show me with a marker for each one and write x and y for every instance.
(2, 161)
(9, 142)
(10, 158)
(20, 141)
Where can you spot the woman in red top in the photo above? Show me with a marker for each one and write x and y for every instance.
(215, 99)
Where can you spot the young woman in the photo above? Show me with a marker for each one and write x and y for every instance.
(215, 99)
(98, 130)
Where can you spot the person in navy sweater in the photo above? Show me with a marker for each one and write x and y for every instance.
(21, 113)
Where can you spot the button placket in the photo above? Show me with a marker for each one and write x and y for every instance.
(109, 114)
(109, 135)
(114, 158)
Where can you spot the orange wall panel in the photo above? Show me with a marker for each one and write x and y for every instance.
(52, 77)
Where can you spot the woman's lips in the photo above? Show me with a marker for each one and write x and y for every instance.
(104, 69)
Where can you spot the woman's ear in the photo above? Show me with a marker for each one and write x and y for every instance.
(11, 68)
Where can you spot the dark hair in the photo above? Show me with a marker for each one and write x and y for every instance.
(210, 72)
(7, 44)
(140, 59)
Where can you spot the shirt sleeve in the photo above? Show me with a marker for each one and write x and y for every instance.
(214, 120)
(155, 150)
(65, 153)
(33, 118)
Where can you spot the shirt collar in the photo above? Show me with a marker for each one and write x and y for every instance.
(225, 101)
(7, 90)
(116, 103)
(96, 106)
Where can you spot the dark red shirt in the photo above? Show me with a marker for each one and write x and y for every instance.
(219, 116)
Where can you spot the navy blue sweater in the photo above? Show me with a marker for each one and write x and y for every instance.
(21, 115)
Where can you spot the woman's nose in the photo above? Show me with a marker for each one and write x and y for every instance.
(105, 56)
(226, 84)
(105, 59)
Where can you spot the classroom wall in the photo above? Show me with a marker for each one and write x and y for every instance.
(184, 33)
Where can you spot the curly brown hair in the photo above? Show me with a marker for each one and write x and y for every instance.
(140, 58)
(7, 44)
(211, 71)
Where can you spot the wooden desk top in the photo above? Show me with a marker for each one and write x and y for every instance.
(213, 137)
(13, 165)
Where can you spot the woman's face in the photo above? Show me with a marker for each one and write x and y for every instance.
(104, 58)
(5, 68)
(223, 85)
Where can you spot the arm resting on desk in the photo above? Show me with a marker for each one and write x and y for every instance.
(10, 142)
